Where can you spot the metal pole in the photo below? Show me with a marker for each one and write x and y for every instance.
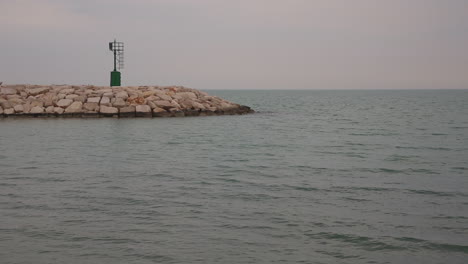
(115, 55)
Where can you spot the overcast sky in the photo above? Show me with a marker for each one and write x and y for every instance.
(238, 44)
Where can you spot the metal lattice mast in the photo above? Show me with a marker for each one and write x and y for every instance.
(118, 49)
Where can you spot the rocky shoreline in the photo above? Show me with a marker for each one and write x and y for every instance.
(105, 101)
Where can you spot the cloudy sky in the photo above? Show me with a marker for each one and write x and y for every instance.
(239, 44)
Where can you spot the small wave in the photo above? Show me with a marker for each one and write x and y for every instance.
(303, 188)
(429, 192)
(434, 245)
(363, 188)
(399, 158)
(408, 171)
(423, 148)
(337, 255)
(366, 243)
(355, 199)
(29, 168)
(450, 217)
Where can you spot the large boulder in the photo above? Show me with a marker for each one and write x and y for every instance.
(91, 106)
(7, 90)
(127, 111)
(119, 102)
(143, 111)
(16, 101)
(105, 101)
(9, 111)
(19, 108)
(108, 111)
(50, 109)
(122, 94)
(37, 110)
(67, 91)
(93, 100)
(58, 110)
(37, 103)
(5, 104)
(37, 91)
(64, 103)
(164, 104)
(75, 107)
(163, 95)
(160, 112)
(71, 96)
(49, 99)
(188, 95)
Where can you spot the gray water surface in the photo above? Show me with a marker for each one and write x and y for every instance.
(312, 177)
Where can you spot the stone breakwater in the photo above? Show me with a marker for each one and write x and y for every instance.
(105, 101)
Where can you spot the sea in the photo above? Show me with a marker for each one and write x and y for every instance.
(318, 176)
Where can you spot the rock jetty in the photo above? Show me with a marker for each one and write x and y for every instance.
(105, 101)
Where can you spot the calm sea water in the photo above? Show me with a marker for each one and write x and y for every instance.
(313, 177)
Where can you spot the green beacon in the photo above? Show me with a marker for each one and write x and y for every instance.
(118, 49)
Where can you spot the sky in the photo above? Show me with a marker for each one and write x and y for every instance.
(238, 44)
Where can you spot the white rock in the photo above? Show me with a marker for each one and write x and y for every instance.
(163, 104)
(7, 90)
(94, 100)
(198, 106)
(58, 110)
(188, 95)
(226, 106)
(158, 110)
(143, 109)
(122, 94)
(75, 107)
(13, 96)
(91, 106)
(162, 95)
(9, 111)
(177, 97)
(108, 110)
(64, 102)
(5, 104)
(67, 91)
(37, 103)
(49, 99)
(148, 93)
(127, 109)
(19, 108)
(27, 107)
(37, 110)
(105, 101)
(71, 96)
(102, 91)
(1, 110)
(37, 91)
(50, 109)
(151, 104)
(16, 101)
(80, 99)
(119, 102)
